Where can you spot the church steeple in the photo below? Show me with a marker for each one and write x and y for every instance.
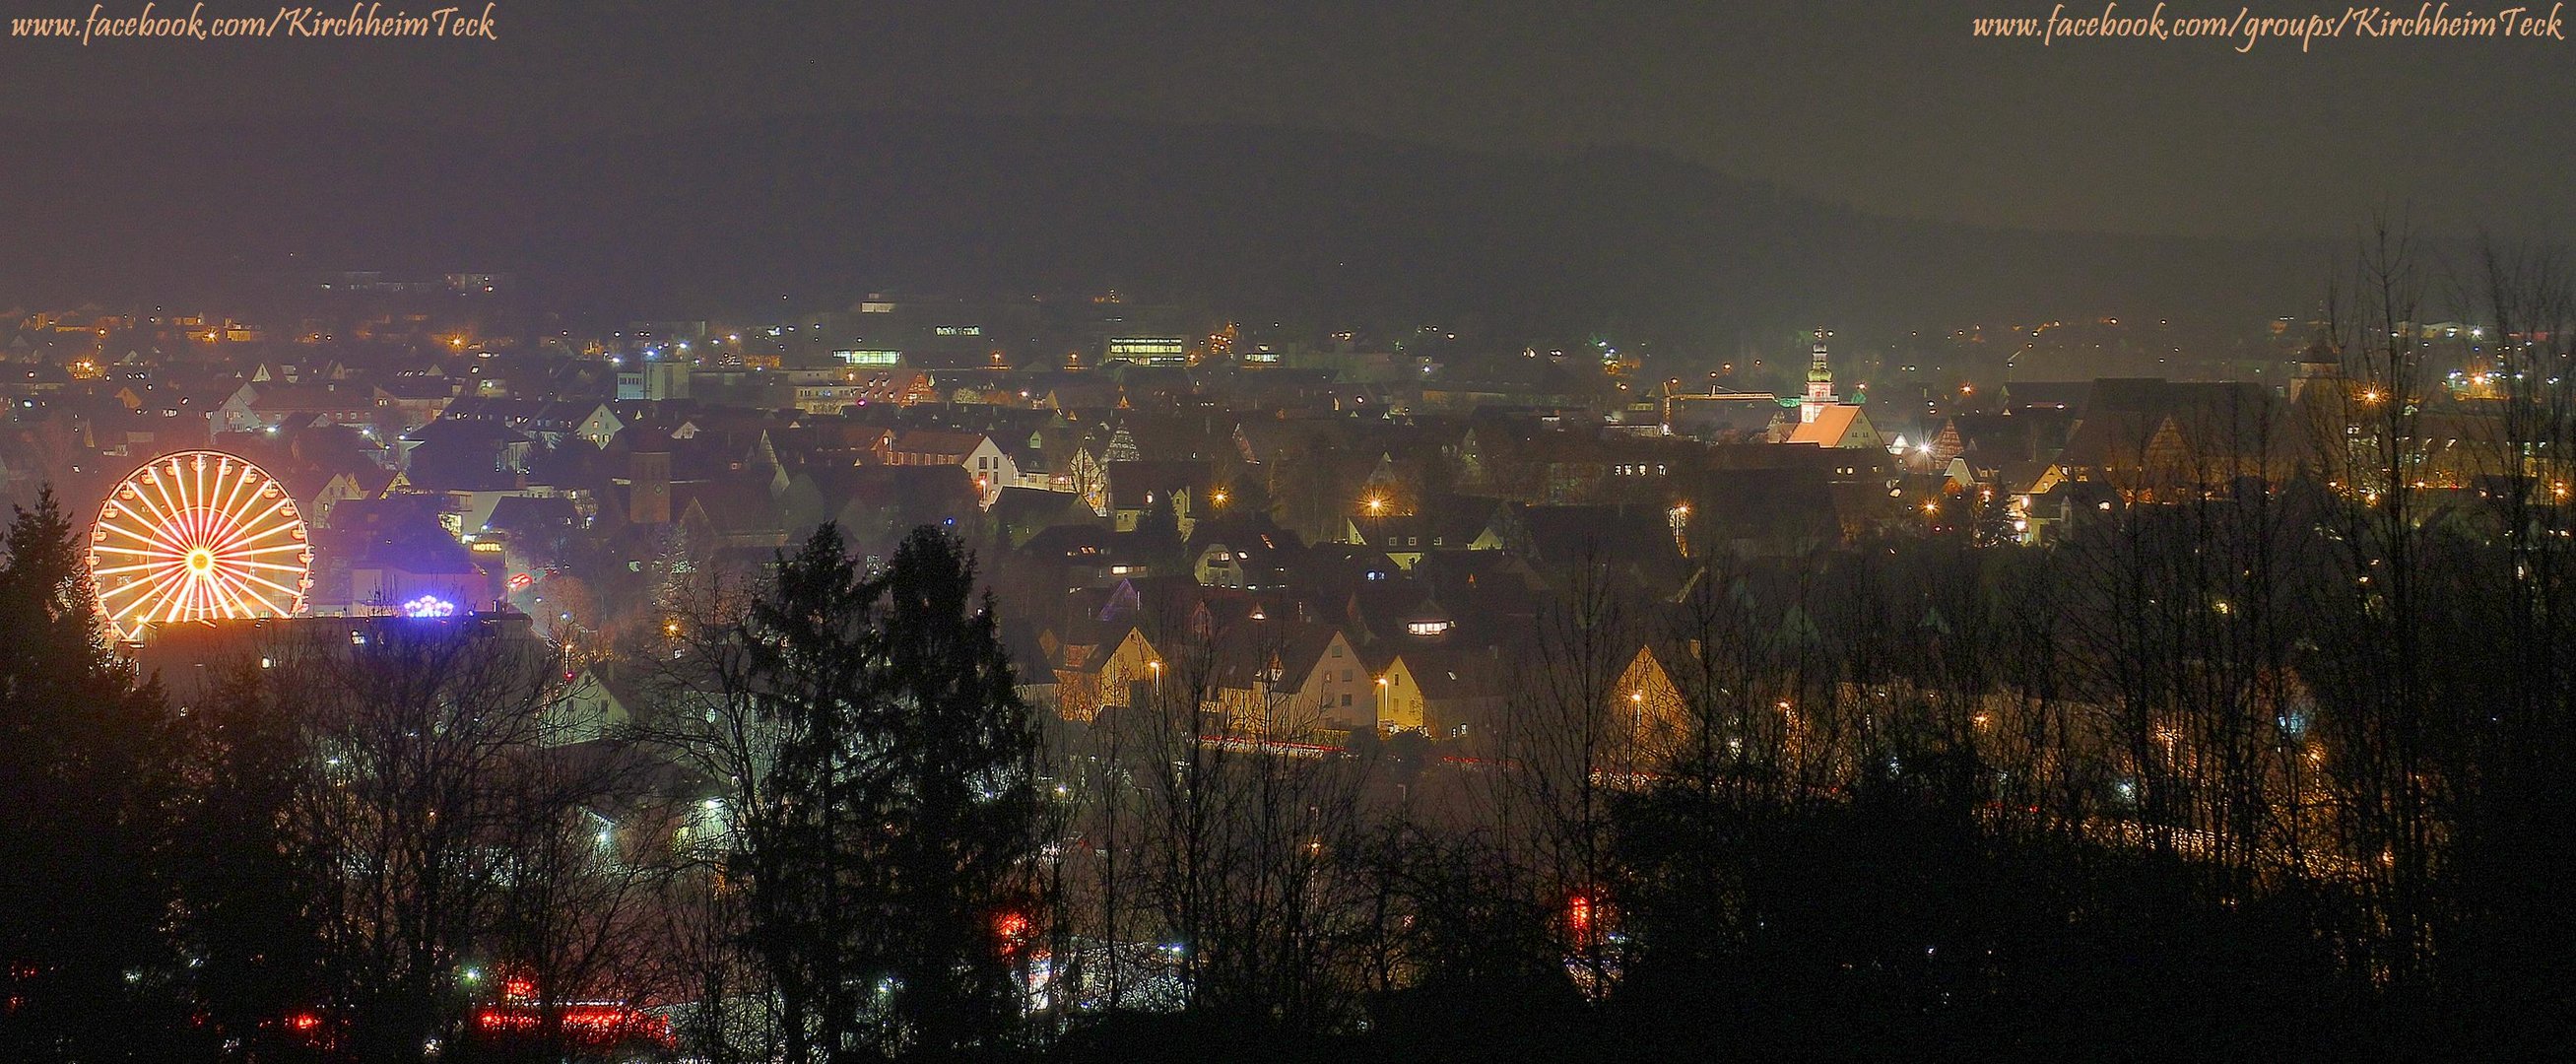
(2320, 367)
(1820, 382)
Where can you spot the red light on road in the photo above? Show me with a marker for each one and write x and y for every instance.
(1587, 915)
(1012, 928)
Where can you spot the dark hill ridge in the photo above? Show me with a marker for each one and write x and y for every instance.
(1314, 225)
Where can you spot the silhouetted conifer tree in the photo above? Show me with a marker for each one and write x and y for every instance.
(87, 783)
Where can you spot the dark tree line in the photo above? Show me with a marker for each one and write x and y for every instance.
(2267, 756)
(393, 841)
(879, 776)
(89, 777)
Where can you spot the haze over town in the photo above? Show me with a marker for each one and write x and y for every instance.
(826, 532)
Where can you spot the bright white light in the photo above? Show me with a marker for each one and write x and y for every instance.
(429, 606)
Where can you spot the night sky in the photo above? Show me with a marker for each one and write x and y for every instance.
(1890, 107)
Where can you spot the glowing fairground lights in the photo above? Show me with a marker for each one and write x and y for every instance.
(429, 606)
(195, 536)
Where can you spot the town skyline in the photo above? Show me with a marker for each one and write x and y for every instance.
(833, 532)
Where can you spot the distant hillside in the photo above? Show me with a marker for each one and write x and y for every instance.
(1314, 226)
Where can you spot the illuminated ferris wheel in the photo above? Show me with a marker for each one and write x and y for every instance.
(198, 535)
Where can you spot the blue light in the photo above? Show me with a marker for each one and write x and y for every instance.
(429, 606)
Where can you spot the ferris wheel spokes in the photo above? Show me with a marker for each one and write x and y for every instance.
(198, 535)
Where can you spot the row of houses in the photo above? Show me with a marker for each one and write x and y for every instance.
(1270, 666)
